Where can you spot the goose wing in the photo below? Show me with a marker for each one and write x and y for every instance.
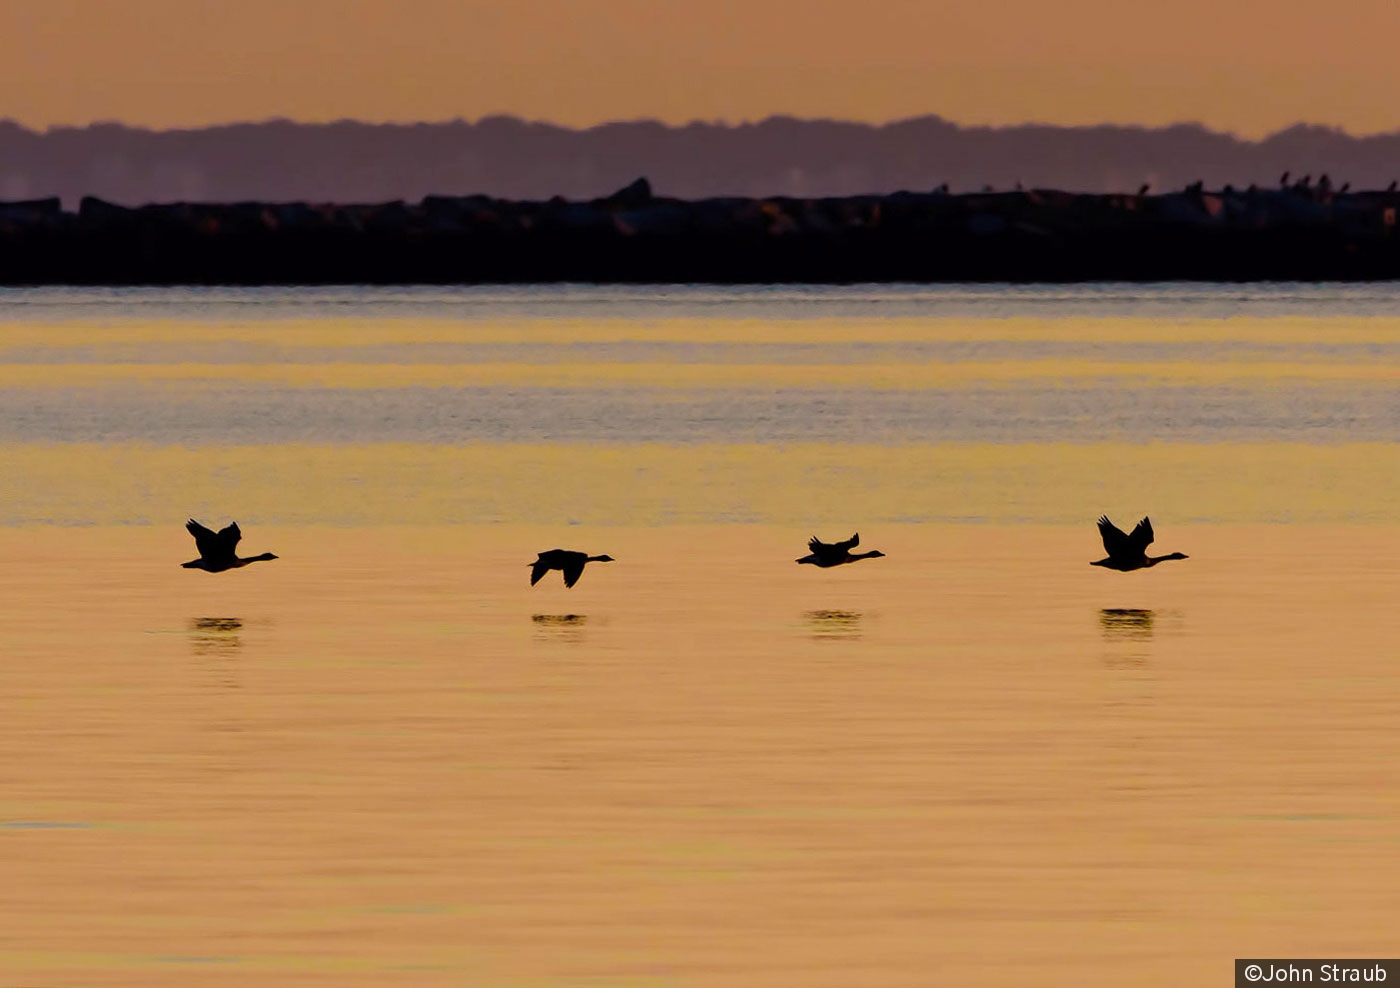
(573, 569)
(230, 537)
(1115, 542)
(832, 550)
(213, 545)
(1142, 537)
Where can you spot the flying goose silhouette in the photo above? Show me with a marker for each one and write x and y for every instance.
(570, 562)
(216, 549)
(1129, 552)
(827, 555)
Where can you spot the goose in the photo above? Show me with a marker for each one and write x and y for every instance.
(570, 562)
(834, 554)
(1129, 552)
(216, 550)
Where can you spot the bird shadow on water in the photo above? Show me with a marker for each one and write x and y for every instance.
(832, 625)
(567, 628)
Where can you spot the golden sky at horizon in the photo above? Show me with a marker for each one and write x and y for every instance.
(1236, 65)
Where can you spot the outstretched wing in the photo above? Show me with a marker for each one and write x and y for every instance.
(1142, 537)
(572, 571)
(205, 540)
(214, 545)
(1115, 543)
(538, 571)
(832, 550)
(230, 537)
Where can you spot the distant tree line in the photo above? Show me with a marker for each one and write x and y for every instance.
(510, 158)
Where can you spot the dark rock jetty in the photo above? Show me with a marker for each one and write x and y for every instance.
(1302, 231)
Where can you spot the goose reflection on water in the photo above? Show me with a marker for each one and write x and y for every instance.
(1127, 623)
(216, 645)
(215, 635)
(559, 627)
(832, 625)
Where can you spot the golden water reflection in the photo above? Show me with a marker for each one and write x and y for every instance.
(807, 485)
(704, 766)
(410, 786)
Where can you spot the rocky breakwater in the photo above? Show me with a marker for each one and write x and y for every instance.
(1293, 232)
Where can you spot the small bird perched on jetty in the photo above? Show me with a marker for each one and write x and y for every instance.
(1129, 552)
(216, 549)
(570, 562)
(834, 554)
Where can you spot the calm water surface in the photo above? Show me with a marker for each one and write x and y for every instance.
(385, 759)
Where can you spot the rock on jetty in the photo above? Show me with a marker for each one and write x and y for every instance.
(1295, 232)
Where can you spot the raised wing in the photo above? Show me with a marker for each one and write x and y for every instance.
(1115, 543)
(230, 537)
(209, 544)
(832, 550)
(214, 545)
(1142, 537)
(573, 569)
(1121, 546)
(204, 539)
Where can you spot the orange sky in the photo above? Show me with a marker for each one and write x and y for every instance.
(1245, 65)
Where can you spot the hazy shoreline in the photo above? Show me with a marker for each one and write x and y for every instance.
(512, 158)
